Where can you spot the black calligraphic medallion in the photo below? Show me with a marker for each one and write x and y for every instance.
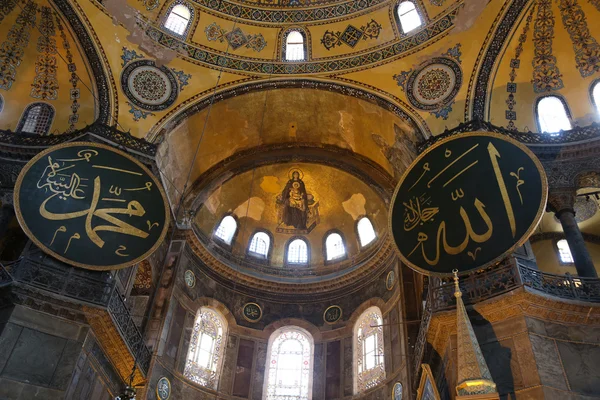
(91, 206)
(467, 202)
(332, 314)
(252, 312)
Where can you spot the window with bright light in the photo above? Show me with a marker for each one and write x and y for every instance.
(408, 16)
(294, 46)
(334, 246)
(596, 95)
(564, 252)
(259, 245)
(366, 233)
(368, 350)
(297, 252)
(37, 119)
(178, 19)
(226, 229)
(552, 115)
(205, 353)
(289, 365)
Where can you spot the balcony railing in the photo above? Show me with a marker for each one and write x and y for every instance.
(507, 276)
(94, 288)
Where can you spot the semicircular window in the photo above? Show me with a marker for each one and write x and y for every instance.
(552, 115)
(366, 232)
(334, 246)
(408, 16)
(259, 245)
(297, 252)
(226, 229)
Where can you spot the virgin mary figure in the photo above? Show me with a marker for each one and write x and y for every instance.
(294, 201)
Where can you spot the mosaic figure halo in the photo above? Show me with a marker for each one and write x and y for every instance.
(298, 170)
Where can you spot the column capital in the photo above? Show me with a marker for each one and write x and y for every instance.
(562, 200)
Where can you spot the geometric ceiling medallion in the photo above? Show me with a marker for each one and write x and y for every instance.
(148, 86)
(434, 84)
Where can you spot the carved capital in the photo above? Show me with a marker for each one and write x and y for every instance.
(562, 200)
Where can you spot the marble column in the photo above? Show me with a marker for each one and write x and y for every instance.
(562, 203)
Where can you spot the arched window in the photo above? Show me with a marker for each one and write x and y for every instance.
(226, 230)
(1, 103)
(178, 20)
(564, 252)
(289, 365)
(408, 16)
(205, 353)
(294, 46)
(596, 95)
(37, 118)
(368, 350)
(259, 245)
(297, 252)
(334, 246)
(552, 115)
(366, 233)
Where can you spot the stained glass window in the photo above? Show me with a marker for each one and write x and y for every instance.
(366, 233)
(290, 362)
(206, 348)
(334, 246)
(297, 252)
(552, 115)
(564, 251)
(294, 46)
(178, 19)
(368, 350)
(37, 118)
(259, 246)
(226, 229)
(408, 16)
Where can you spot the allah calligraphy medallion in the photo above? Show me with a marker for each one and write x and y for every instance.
(91, 206)
(252, 312)
(467, 202)
(332, 315)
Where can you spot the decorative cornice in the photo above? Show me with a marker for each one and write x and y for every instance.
(588, 237)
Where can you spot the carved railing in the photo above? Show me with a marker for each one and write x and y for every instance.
(129, 331)
(574, 135)
(22, 146)
(509, 275)
(421, 343)
(94, 288)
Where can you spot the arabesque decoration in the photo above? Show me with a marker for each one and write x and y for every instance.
(13, 49)
(45, 84)
(236, 38)
(351, 35)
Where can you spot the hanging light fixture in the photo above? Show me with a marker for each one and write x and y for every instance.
(127, 394)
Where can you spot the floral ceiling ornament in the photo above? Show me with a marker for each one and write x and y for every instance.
(587, 50)
(434, 84)
(45, 84)
(546, 75)
(12, 50)
(236, 38)
(74, 92)
(351, 35)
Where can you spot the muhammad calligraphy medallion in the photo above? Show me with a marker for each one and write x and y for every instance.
(332, 315)
(163, 388)
(91, 206)
(467, 202)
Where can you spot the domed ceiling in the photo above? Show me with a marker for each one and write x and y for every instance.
(336, 201)
(41, 61)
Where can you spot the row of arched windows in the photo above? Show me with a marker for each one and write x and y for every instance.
(297, 251)
(179, 19)
(290, 355)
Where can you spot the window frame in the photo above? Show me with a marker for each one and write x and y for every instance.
(358, 352)
(595, 82)
(372, 242)
(221, 351)
(220, 241)
(25, 113)
(255, 257)
(420, 11)
(272, 338)
(188, 27)
(306, 39)
(537, 114)
(287, 248)
(338, 259)
(557, 249)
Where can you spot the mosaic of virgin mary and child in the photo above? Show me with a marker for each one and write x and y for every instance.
(298, 211)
